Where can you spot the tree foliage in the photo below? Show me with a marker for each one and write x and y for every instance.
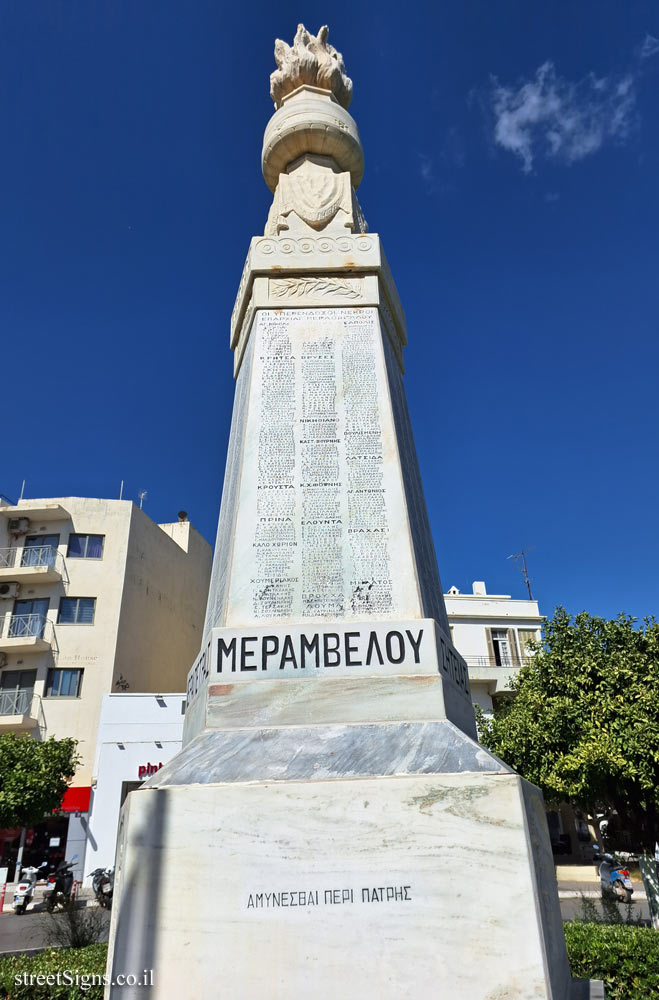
(584, 721)
(33, 777)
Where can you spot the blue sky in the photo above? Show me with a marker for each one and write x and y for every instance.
(512, 164)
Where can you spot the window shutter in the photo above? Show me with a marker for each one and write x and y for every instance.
(512, 642)
(526, 635)
(490, 646)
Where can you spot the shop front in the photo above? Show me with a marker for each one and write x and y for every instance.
(137, 734)
(60, 835)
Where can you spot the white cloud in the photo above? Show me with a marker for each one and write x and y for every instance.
(553, 117)
(650, 47)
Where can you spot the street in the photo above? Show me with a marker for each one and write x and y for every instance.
(36, 928)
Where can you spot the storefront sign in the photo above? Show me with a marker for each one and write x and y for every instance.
(146, 770)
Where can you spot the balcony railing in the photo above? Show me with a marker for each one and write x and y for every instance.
(31, 556)
(487, 661)
(16, 701)
(28, 627)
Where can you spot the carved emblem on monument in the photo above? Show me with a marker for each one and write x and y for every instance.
(315, 192)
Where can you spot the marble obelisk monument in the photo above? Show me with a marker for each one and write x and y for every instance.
(331, 827)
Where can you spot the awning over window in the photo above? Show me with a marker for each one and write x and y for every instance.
(76, 799)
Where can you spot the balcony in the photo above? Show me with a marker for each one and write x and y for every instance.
(19, 709)
(27, 634)
(36, 511)
(485, 670)
(31, 564)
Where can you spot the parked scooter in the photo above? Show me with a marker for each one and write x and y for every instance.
(24, 892)
(103, 886)
(614, 878)
(60, 885)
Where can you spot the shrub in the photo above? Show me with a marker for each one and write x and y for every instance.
(83, 962)
(624, 956)
(77, 926)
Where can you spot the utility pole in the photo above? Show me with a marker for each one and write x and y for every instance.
(523, 570)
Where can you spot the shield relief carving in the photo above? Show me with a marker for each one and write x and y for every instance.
(315, 193)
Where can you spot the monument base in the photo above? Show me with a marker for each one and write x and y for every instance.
(412, 885)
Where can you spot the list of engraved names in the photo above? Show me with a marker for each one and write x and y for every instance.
(322, 530)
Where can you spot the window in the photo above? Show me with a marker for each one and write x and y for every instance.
(85, 546)
(29, 618)
(40, 550)
(76, 610)
(63, 683)
(501, 644)
(16, 690)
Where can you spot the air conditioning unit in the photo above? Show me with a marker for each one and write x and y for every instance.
(19, 525)
(9, 589)
(3, 659)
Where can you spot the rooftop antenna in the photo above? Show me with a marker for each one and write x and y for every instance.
(141, 495)
(22, 492)
(121, 490)
(523, 570)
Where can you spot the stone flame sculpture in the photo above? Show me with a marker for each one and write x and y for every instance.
(311, 61)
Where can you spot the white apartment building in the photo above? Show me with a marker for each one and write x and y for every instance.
(94, 597)
(492, 632)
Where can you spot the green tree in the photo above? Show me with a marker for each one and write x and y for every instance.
(584, 720)
(33, 777)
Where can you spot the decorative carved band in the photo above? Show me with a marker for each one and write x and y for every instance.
(319, 286)
(320, 269)
(310, 244)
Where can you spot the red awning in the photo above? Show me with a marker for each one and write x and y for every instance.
(76, 799)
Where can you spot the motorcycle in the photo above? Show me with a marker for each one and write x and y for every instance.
(60, 885)
(103, 886)
(24, 892)
(615, 879)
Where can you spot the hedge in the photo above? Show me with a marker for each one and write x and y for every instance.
(83, 962)
(624, 956)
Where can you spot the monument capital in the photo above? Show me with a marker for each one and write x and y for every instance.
(311, 92)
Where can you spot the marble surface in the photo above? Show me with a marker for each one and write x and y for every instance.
(424, 548)
(215, 608)
(311, 122)
(317, 255)
(321, 509)
(310, 61)
(327, 672)
(317, 752)
(319, 491)
(324, 701)
(410, 886)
